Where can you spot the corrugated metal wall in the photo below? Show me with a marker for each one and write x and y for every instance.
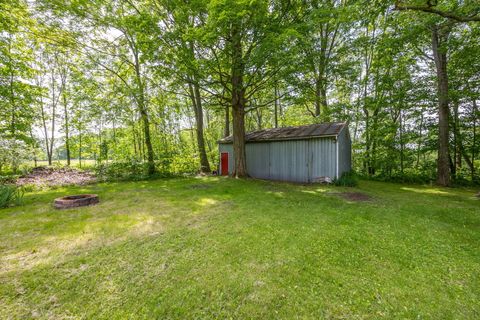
(295, 160)
(324, 158)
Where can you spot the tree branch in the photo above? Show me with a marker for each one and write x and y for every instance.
(430, 8)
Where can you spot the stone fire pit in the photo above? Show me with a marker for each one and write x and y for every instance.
(75, 201)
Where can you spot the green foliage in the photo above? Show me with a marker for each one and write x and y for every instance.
(347, 179)
(124, 170)
(10, 195)
(131, 170)
(409, 176)
(109, 72)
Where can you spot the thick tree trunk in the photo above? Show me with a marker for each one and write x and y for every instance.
(238, 105)
(440, 57)
(198, 110)
(240, 169)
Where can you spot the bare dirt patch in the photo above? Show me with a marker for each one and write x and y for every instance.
(199, 186)
(46, 176)
(354, 196)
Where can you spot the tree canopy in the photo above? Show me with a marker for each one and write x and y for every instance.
(158, 82)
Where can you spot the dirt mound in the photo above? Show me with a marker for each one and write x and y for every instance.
(354, 196)
(47, 176)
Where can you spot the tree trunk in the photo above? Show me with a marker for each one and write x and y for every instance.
(238, 105)
(144, 116)
(459, 149)
(67, 136)
(52, 138)
(148, 141)
(45, 130)
(80, 148)
(134, 138)
(276, 105)
(321, 98)
(198, 110)
(401, 143)
(440, 57)
(474, 112)
(226, 131)
(420, 137)
(259, 119)
(317, 98)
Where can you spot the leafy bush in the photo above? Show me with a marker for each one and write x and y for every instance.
(10, 195)
(127, 170)
(12, 153)
(9, 179)
(347, 179)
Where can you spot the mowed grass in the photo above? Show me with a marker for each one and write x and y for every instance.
(220, 248)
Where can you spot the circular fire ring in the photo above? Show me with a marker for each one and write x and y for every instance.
(75, 201)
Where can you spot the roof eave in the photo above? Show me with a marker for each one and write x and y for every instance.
(284, 139)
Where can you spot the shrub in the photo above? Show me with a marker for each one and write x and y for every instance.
(347, 179)
(10, 195)
(128, 170)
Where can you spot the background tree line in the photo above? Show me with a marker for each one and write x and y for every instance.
(158, 82)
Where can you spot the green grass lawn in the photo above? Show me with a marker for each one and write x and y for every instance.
(217, 248)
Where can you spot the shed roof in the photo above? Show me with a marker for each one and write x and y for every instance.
(331, 129)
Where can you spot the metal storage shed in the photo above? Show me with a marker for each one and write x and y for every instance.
(299, 154)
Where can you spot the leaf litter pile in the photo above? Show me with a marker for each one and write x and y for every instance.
(46, 176)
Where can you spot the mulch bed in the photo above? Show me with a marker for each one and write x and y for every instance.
(354, 196)
(47, 176)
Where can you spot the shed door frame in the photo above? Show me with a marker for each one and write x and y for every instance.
(224, 163)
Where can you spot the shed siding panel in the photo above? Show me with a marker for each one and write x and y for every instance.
(288, 160)
(258, 160)
(323, 158)
(295, 160)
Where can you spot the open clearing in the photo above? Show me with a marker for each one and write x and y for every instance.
(225, 248)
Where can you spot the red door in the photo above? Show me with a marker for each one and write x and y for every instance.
(224, 163)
